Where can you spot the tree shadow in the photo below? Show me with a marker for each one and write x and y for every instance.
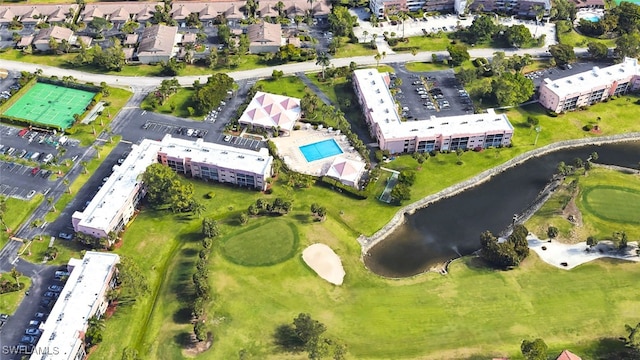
(286, 340)
(303, 218)
(191, 237)
(189, 252)
(183, 339)
(182, 316)
(614, 348)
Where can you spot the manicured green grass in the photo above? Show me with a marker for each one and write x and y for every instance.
(349, 49)
(430, 66)
(177, 104)
(9, 302)
(416, 313)
(267, 242)
(423, 43)
(618, 207)
(17, 212)
(618, 204)
(567, 35)
(287, 86)
(34, 251)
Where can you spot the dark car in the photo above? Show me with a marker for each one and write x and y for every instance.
(51, 294)
(46, 303)
(28, 339)
(40, 316)
(55, 288)
(33, 332)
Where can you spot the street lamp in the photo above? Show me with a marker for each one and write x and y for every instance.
(538, 129)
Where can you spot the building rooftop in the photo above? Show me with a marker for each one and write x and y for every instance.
(265, 33)
(57, 32)
(383, 110)
(105, 205)
(158, 40)
(593, 78)
(63, 331)
(272, 111)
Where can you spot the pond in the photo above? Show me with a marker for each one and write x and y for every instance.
(451, 228)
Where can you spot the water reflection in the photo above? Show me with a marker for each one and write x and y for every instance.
(451, 227)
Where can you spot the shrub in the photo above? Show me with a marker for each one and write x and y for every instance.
(587, 127)
(210, 195)
(553, 114)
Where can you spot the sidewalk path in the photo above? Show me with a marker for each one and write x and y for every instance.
(311, 85)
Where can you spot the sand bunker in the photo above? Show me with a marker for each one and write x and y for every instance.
(324, 262)
(568, 256)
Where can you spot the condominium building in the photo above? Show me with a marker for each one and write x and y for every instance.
(435, 133)
(83, 296)
(590, 87)
(114, 204)
(518, 7)
(525, 8)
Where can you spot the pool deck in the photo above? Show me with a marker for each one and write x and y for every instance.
(289, 149)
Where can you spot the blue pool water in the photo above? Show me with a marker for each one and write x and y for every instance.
(320, 150)
(592, 18)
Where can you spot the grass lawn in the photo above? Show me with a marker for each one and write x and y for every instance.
(267, 242)
(567, 35)
(287, 86)
(34, 251)
(423, 43)
(415, 313)
(177, 104)
(16, 213)
(607, 200)
(9, 302)
(349, 49)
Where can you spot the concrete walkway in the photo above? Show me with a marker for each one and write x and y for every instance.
(313, 87)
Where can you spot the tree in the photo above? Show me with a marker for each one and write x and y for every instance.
(628, 45)
(50, 202)
(243, 44)
(323, 61)
(466, 75)
(212, 59)
(341, 22)
(3, 212)
(598, 51)
(66, 183)
(517, 35)
(552, 232)
(200, 330)
(562, 53)
(224, 33)
(197, 208)
(534, 350)
(53, 45)
(172, 67)
(565, 10)
(208, 96)
(594, 156)
(512, 89)
(132, 282)
(482, 28)
(400, 193)
(458, 53)
(307, 329)
(633, 340)
(210, 228)
(377, 57)
(100, 24)
(15, 274)
(130, 354)
(158, 180)
(578, 163)
(505, 254)
(592, 241)
(620, 237)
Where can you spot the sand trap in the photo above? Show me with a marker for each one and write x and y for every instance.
(324, 262)
(568, 256)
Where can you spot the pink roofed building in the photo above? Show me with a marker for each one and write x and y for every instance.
(271, 112)
(346, 171)
(568, 355)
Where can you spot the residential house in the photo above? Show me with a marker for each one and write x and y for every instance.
(271, 112)
(32, 15)
(264, 37)
(43, 37)
(346, 171)
(119, 12)
(158, 43)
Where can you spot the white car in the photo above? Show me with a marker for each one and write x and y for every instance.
(227, 138)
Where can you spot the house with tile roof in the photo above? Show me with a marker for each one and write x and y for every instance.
(346, 171)
(158, 43)
(568, 355)
(264, 37)
(42, 38)
(270, 112)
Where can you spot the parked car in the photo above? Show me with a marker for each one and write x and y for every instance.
(40, 316)
(4, 316)
(55, 288)
(34, 323)
(46, 303)
(65, 236)
(33, 332)
(35, 170)
(28, 339)
(51, 295)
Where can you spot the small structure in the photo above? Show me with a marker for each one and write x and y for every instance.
(325, 262)
(346, 171)
(264, 37)
(271, 112)
(43, 37)
(568, 355)
(158, 43)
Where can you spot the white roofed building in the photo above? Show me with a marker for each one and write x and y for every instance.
(590, 87)
(83, 296)
(270, 112)
(435, 133)
(114, 204)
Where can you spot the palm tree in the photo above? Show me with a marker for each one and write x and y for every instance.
(50, 202)
(378, 57)
(365, 34)
(323, 60)
(197, 208)
(280, 7)
(97, 149)
(84, 167)
(403, 17)
(3, 211)
(16, 275)
(66, 183)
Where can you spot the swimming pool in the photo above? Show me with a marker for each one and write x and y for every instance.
(592, 18)
(320, 150)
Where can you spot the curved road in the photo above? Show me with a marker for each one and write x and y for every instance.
(145, 82)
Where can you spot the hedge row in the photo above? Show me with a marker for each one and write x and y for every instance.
(335, 184)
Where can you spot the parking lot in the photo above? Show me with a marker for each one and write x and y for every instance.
(557, 72)
(438, 93)
(243, 142)
(173, 129)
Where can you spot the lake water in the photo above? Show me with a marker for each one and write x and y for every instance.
(451, 227)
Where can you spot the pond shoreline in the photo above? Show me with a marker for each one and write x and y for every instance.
(399, 218)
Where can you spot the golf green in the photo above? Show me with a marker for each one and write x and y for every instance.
(267, 243)
(613, 203)
(50, 105)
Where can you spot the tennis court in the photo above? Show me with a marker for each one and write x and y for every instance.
(51, 105)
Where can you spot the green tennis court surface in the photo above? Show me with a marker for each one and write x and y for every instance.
(51, 105)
